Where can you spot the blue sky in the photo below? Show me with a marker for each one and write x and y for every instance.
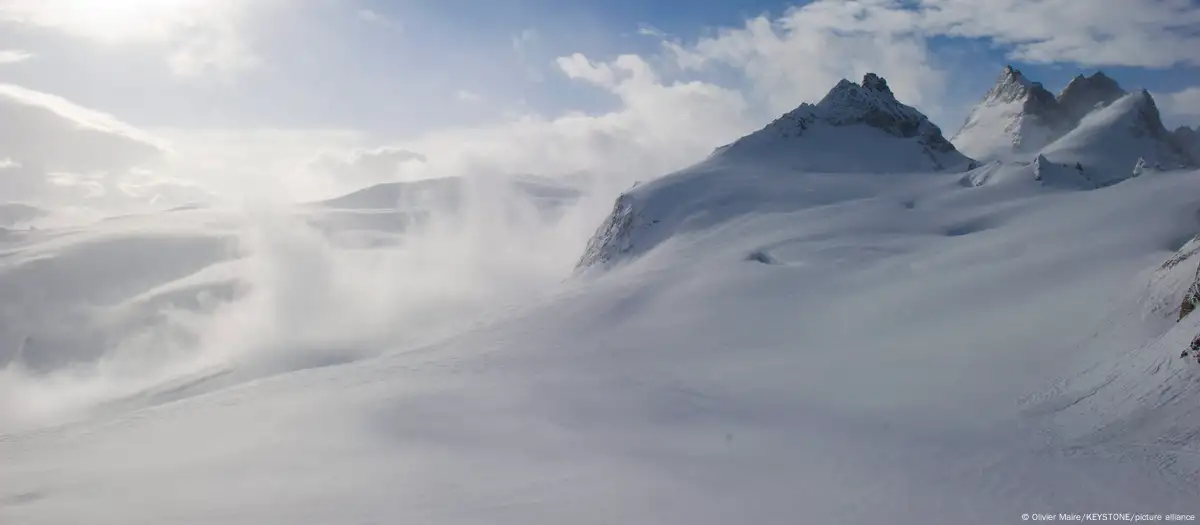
(555, 86)
(324, 65)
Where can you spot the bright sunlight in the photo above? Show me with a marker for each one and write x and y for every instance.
(112, 21)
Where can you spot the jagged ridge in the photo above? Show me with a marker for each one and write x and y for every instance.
(851, 114)
(855, 128)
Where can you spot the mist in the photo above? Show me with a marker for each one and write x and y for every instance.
(143, 308)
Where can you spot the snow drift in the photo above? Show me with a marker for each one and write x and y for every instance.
(907, 340)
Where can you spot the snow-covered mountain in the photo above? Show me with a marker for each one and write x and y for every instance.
(852, 117)
(1189, 140)
(1084, 94)
(786, 339)
(449, 193)
(1093, 126)
(1110, 140)
(1015, 119)
(854, 129)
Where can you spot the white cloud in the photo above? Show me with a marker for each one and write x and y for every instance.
(12, 56)
(798, 57)
(1181, 107)
(524, 44)
(1143, 33)
(374, 17)
(56, 134)
(659, 126)
(273, 165)
(197, 36)
(469, 96)
(362, 167)
(56, 152)
(218, 50)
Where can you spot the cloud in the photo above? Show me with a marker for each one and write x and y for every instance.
(524, 45)
(367, 166)
(799, 56)
(53, 133)
(57, 152)
(376, 18)
(1146, 33)
(12, 56)
(469, 96)
(658, 126)
(796, 57)
(197, 36)
(1181, 107)
(259, 166)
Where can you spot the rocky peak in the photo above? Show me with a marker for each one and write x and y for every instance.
(871, 103)
(1083, 94)
(1149, 120)
(1012, 86)
(876, 83)
(1189, 140)
(1017, 116)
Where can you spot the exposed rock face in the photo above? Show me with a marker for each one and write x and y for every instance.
(1016, 117)
(848, 105)
(1111, 141)
(873, 104)
(615, 235)
(1192, 298)
(1188, 140)
(1085, 94)
(1169, 274)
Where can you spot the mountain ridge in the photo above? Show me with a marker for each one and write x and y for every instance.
(860, 114)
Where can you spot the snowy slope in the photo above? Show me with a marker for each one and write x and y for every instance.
(833, 135)
(1015, 119)
(127, 309)
(778, 345)
(1093, 126)
(448, 193)
(868, 364)
(1108, 142)
(829, 137)
(15, 214)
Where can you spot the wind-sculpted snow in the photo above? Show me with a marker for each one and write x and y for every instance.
(874, 366)
(1093, 124)
(1108, 142)
(134, 310)
(757, 172)
(746, 342)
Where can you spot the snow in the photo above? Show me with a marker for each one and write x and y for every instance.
(746, 340)
(1109, 141)
(1015, 119)
(831, 135)
(1085, 94)
(873, 368)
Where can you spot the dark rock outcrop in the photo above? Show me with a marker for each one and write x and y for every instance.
(1085, 94)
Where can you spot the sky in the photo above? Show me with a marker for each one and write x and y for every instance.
(136, 101)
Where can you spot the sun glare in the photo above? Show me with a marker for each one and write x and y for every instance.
(125, 20)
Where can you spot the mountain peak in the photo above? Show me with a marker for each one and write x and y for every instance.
(1012, 85)
(1016, 116)
(846, 111)
(1111, 138)
(876, 83)
(1084, 94)
(1188, 139)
